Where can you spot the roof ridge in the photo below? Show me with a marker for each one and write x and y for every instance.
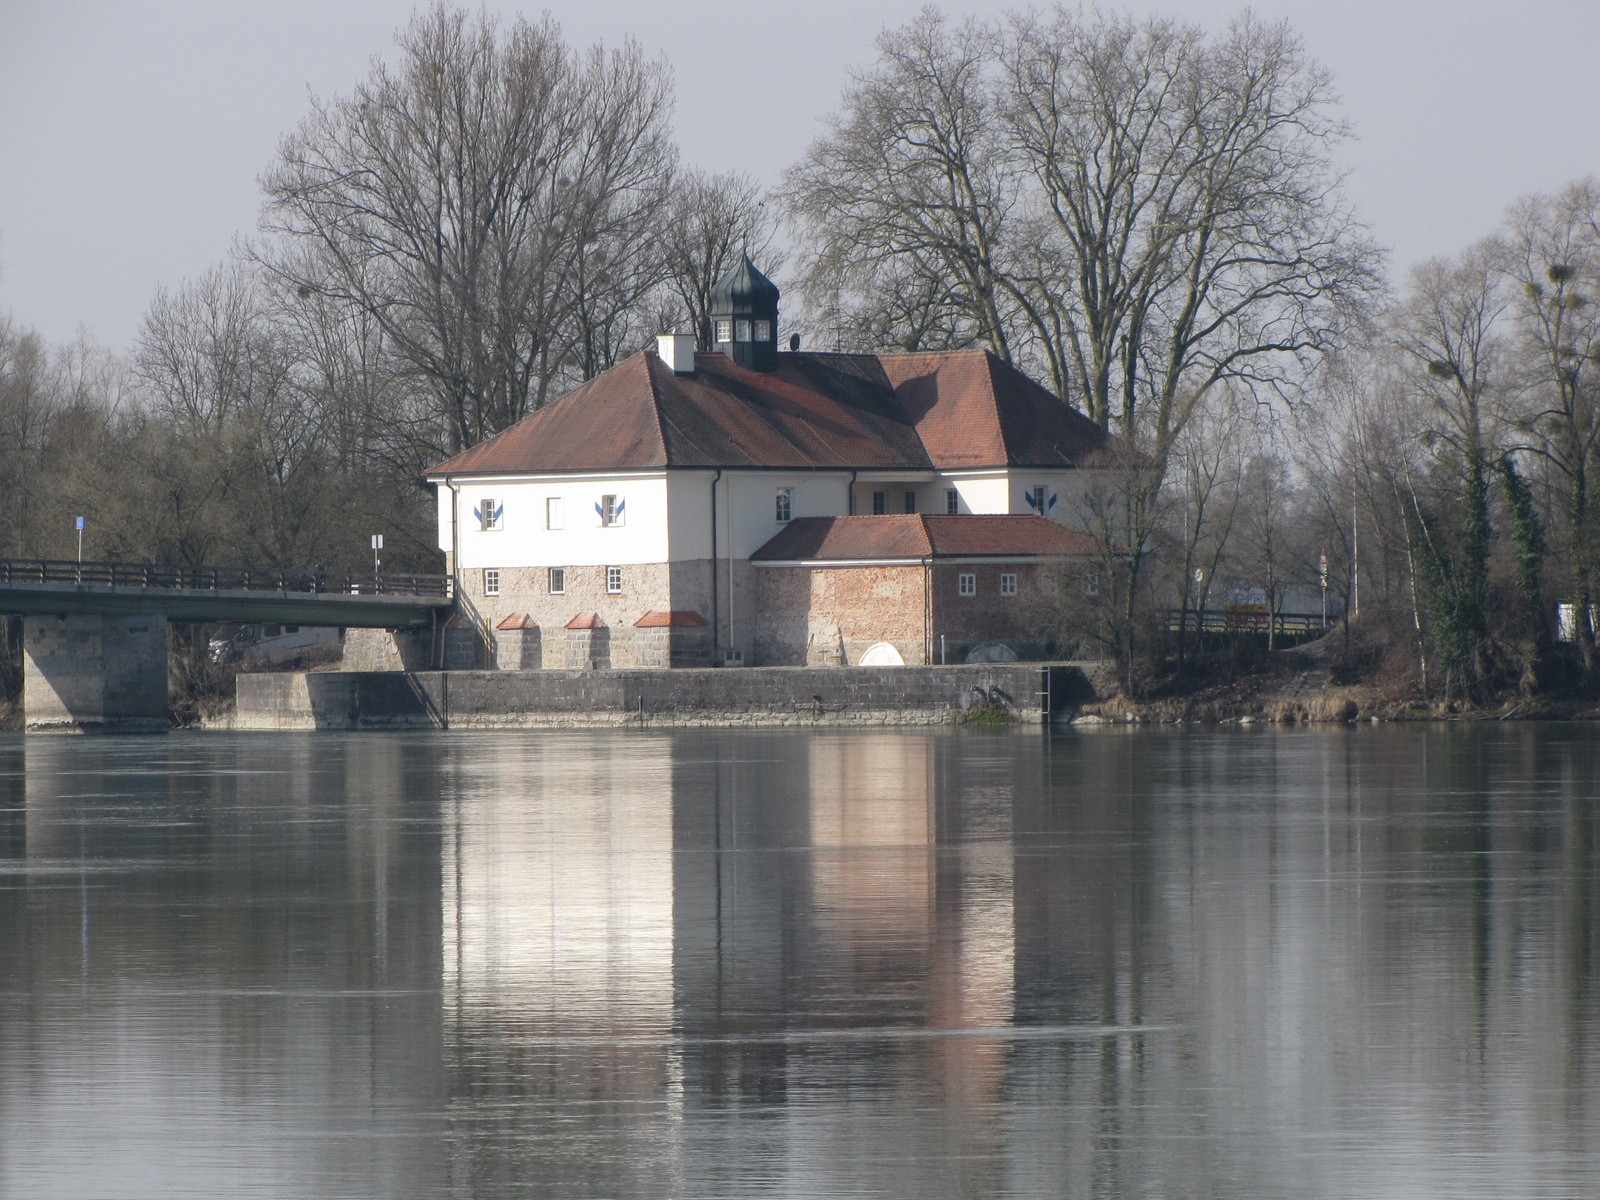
(990, 360)
(655, 404)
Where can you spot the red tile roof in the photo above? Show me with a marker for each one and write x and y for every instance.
(919, 535)
(518, 621)
(678, 618)
(587, 620)
(972, 410)
(907, 411)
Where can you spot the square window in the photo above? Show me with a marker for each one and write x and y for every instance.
(911, 502)
(558, 581)
(741, 331)
(724, 330)
(612, 510)
(952, 501)
(489, 512)
(613, 581)
(1008, 585)
(785, 504)
(552, 512)
(966, 585)
(763, 331)
(491, 582)
(880, 503)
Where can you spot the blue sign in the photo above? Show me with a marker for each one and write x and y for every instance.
(80, 523)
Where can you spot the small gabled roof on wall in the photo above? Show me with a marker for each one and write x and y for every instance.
(917, 536)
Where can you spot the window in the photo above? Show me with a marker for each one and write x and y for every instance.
(966, 585)
(291, 629)
(1008, 585)
(880, 503)
(552, 512)
(1039, 500)
(911, 502)
(491, 582)
(952, 501)
(489, 512)
(763, 331)
(741, 331)
(1091, 584)
(785, 504)
(613, 581)
(724, 330)
(612, 510)
(558, 581)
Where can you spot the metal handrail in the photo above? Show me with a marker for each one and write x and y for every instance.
(1233, 621)
(241, 579)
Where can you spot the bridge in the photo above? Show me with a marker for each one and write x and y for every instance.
(95, 634)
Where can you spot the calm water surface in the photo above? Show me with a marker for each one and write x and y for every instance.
(1340, 963)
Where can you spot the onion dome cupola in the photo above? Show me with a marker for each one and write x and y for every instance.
(744, 317)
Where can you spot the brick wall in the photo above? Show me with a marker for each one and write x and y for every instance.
(808, 616)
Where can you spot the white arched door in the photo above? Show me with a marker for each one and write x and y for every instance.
(882, 654)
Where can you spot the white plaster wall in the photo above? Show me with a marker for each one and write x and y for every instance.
(978, 493)
(747, 510)
(523, 540)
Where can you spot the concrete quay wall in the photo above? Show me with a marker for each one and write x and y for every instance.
(659, 697)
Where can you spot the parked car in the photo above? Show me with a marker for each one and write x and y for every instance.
(268, 643)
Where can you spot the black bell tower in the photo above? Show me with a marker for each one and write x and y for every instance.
(744, 317)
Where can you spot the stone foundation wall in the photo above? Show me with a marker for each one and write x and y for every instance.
(663, 697)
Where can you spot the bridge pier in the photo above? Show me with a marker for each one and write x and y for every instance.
(87, 673)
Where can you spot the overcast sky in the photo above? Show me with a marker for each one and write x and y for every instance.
(132, 134)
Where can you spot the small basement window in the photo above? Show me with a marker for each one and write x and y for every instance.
(613, 581)
(724, 330)
(491, 581)
(489, 512)
(966, 584)
(552, 512)
(952, 501)
(612, 510)
(785, 504)
(558, 581)
(911, 502)
(880, 503)
(1008, 585)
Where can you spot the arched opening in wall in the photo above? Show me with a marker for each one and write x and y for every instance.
(881, 654)
(991, 652)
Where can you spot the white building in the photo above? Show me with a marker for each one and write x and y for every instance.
(633, 505)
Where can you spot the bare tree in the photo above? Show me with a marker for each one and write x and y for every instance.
(487, 201)
(912, 178)
(1553, 253)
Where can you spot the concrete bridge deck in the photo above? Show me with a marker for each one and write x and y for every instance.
(95, 635)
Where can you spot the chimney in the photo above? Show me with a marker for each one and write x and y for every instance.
(677, 351)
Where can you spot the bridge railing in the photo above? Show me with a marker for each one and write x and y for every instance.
(218, 579)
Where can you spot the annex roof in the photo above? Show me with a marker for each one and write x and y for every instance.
(922, 535)
(947, 410)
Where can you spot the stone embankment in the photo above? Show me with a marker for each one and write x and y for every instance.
(1021, 693)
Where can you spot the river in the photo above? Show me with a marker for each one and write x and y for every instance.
(1163, 963)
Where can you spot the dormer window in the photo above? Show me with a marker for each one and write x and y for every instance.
(741, 331)
(724, 330)
(763, 331)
